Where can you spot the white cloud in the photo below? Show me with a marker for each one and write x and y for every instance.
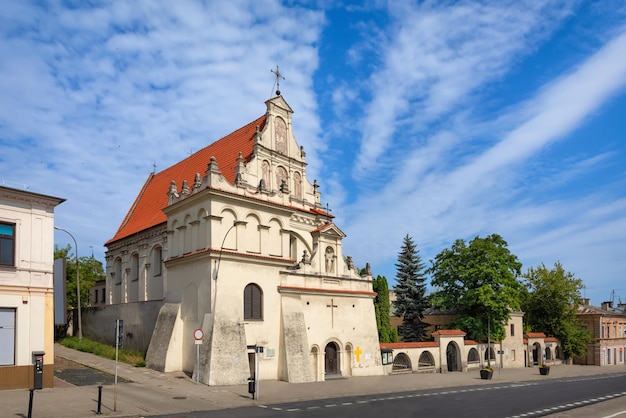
(91, 97)
(437, 199)
(438, 57)
(99, 94)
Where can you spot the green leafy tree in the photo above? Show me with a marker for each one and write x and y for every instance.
(550, 304)
(90, 271)
(411, 300)
(481, 281)
(382, 307)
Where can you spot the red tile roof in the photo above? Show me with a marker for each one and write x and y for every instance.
(147, 210)
(456, 332)
(535, 335)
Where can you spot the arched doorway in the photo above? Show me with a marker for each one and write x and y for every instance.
(536, 353)
(331, 359)
(452, 357)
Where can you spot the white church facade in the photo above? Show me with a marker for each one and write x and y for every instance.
(235, 243)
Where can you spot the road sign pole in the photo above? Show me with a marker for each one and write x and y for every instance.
(197, 364)
(256, 375)
(198, 335)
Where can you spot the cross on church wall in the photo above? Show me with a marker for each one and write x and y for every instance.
(357, 354)
(332, 307)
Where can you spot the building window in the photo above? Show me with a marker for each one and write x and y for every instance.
(134, 267)
(7, 244)
(95, 299)
(157, 262)
(252, 302)
(512, 330)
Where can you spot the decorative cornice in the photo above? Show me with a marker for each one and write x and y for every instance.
(331, 292)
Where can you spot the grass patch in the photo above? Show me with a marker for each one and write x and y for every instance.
(132, 357)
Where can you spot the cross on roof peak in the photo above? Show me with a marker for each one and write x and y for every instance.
(277, 81)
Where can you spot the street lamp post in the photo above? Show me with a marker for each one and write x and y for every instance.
(80, 324)
(219, 260)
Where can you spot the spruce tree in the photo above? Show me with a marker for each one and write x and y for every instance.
(411, 300)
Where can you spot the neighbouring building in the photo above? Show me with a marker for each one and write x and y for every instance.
(608, 331)
(26, 286)
(97, 293)
(450, 351)
(234, 241)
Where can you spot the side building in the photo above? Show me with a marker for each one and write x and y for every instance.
(450, 351)
(234, 241)
(608, 332)
(26, 287)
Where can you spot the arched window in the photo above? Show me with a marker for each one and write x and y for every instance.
(426, 360)
(472, 356)
(401, 363)
(491, 353)
(157, 262)
(297, 185)
(252, 302)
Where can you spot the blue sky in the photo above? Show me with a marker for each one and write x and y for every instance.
(441, 120)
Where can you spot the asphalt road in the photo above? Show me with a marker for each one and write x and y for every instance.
(509, 400)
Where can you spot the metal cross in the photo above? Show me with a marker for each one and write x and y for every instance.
(332, 313)
(278, 77)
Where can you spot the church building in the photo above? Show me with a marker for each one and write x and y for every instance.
(248, 265)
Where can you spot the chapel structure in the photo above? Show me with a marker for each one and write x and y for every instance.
(235, 242)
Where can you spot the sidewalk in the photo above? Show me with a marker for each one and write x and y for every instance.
(152, 393)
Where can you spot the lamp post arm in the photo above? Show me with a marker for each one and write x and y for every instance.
(80, 327)
(219, 259)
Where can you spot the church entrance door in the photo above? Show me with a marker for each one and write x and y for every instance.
(330, 366)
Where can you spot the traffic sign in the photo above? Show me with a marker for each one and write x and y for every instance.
(198, 335)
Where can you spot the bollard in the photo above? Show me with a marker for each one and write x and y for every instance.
(30, 403)
(99, 400)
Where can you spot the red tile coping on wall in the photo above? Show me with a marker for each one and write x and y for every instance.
(421, 344)
(450, 332)
(535, 335)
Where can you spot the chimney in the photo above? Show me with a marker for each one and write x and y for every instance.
(586, 301)
(607, 305)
